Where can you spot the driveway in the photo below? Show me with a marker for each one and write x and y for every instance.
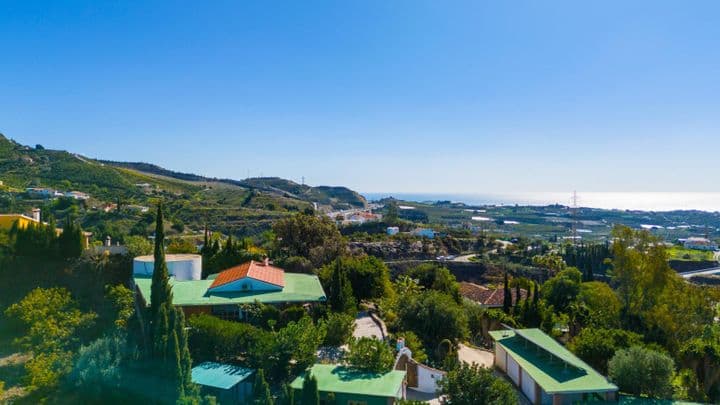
(432, 399)
(365, 326)
(472, 355)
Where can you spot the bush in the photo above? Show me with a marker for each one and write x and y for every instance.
(640, 371)
(597, 346)
(475, 385)
(433, 316)
(215, 339)
(371, 355)
(339, 329)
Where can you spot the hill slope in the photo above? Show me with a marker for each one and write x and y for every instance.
(231, 206)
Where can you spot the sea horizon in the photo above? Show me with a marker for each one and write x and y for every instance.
(637, 201)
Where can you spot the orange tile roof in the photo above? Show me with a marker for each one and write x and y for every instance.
(492, 297)
(256, 270)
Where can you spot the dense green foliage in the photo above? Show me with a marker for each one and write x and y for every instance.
(43, 240)
(368, 276)
(339, 290)
(51, 320)
(597, 346)
(279, 353)
(474, 385)
(370, 354)
(422, 314)
(315, 238)
(339, 328)
(310, 394)
(641, 371)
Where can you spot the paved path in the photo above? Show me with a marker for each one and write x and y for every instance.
(365, 326)
(463, 258)
(471, 355)
(432, 399)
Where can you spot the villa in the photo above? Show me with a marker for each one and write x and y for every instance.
(222, 294)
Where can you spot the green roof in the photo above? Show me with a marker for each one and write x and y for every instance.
(551, 365)
(298, 288)
(341, 379)
(223, 376)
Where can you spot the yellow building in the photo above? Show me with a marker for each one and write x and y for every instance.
(7, 221)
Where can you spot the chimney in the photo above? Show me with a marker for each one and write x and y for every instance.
(36, 214)
(108, 241)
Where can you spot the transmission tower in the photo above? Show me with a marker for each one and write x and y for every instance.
(573, 212)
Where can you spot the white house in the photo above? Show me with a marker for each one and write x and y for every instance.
(700, 244)
(78, 195)
(393, 230)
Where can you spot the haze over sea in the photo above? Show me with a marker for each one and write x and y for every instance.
(644, 201)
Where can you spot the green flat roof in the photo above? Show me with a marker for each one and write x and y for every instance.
(223, 376)
(341, 379)
(551, 365)
(298, 288)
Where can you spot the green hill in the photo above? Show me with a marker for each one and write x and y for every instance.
(235, 207)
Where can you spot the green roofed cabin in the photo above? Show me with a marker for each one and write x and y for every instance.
(229, 384)
(220, 294)
(354, 387)
(545, 371)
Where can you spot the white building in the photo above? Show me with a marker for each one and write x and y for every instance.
(78, 195)
(700, 244)
(393, 230)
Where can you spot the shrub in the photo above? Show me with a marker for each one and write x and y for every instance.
(475, 385)
(370, 354)
(339, 329)
(641, 371)
(598, 346)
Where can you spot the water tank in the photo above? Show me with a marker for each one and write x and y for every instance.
(181, 266)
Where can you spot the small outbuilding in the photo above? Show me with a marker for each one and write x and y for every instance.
(350, 386)
(228, 383)
(546, 372)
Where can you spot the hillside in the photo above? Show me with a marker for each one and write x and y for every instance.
(231, 206)
(336, 197)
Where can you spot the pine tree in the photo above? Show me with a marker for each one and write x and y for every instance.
(160, 290)
(310, 394)
(261, 389)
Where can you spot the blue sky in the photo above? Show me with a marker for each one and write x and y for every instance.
(412, 96)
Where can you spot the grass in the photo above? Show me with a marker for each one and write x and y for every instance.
(12, 368)
(681, 253)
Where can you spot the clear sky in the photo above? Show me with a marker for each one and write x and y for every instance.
(413, 96)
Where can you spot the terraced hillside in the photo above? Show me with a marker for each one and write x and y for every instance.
(231, 206)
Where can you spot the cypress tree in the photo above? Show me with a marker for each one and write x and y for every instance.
(160, 334)
(507, 298)
(261, 389)
(341, 295)
(287, 396)
(160, 290)
(310, 394)
(185, 359)
(517, 294)
(174, 367)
